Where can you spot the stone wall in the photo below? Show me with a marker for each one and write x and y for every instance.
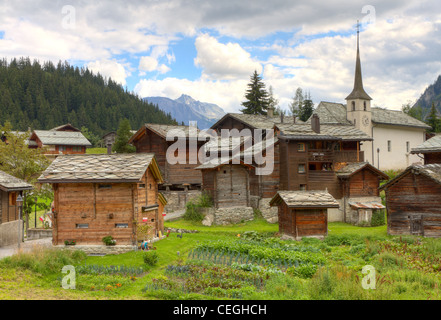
(9, 233)
(337, 214)
(33, 234)
(225, 216)
(176, 200)
(354, 217)
(99, 249)
(270, 214)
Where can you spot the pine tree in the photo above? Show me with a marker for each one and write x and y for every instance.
(123, 136)
(256, 95)
(307, 108)
(297, 102)
(433, 120)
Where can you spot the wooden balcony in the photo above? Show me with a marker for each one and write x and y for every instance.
(348, 156)
(321, 155)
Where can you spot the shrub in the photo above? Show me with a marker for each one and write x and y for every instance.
(192, 208)
(109, 241)
(378, 218)
(150, 258)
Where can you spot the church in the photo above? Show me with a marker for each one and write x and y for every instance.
(394, 133)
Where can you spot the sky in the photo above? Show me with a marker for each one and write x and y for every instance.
(208, 49)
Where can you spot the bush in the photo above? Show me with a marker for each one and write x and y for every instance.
(150, 258)
(192, 208)
(109, 241)
(378, 218)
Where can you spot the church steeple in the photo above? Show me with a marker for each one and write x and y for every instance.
(358, 91)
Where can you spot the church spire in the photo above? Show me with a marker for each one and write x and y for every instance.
(358, 91)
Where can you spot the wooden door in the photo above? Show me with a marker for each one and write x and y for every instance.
(416, 225)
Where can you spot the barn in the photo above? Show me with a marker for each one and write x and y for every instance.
(413, 201)
(303, 213)
(430, 149)
(105, 195)
(10, 188)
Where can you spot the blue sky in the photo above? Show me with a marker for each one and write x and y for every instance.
(208, 49)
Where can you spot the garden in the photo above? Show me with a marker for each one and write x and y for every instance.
(243, 261)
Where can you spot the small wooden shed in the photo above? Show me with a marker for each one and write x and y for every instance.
(430, 149)
(227, 183)
(303, 213)
(100, 195)
(413, 201)
(10, 188)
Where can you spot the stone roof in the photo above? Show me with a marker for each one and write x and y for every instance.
(329, 132)
(65, 138)
(214, 163)
(259, 147)
(174, 130)
(431, 145)
(11, 183)
(305, 199)
(67, 125)
(257, 121)
(432, 171)
(353, 167)
(335, 113)
(98, 168)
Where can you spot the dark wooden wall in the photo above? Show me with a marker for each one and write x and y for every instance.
(302, 222)
(430, 158)
(364, 183)
(8, 212)
(414, 197)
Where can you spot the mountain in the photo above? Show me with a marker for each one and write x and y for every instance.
(431, 94)
(44, 96)
(186, 109)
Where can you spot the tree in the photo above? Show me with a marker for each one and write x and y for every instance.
(297, 102)
(272, 101)
(433, 120)
(17, 159)
(256, 95)
(93, 138)
(307, 108)
(123, 136)
(415, 112)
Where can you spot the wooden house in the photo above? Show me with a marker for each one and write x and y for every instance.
(105, 195)
(303, 213)
(152, 138)
(359, 183)
(64, 139)
(227, 183)
(430, 150)
(413, 201)
(10, 188)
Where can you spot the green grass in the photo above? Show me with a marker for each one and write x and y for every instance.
(339, 228)
(96, 150)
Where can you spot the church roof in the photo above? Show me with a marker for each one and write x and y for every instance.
(335, 113)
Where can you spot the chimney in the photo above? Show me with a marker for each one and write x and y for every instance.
(109, 148)
(281, 117)
(315, 123)
(270, 112)
(294, 118)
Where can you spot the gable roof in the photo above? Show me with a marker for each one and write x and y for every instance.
(431, 171)
(11, 183)
(163, 130)
(66, 126)
(431, 145)
(305, 199)
(129, 167)
(65, 138)
(217, 162)
(352, 168)
(335, 113)
(255, 121)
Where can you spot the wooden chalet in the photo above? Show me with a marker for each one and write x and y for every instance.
(10, 188)
(227, 183)
(303, 213)
(310, 154)
(359, 182)
(101, 195)
(413, 201)
(64, 139)
(430, 150)
(152, 138)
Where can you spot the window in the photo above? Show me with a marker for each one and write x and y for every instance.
(353, 105)
(82, 226)
(104, 186)
(141, 186)
(364, 105)
(77, 149)
(389, 145)
(407, 146)
(302, 168)
(301, 147)
(12, 199)
(62, 148)
(121, 225)
(303, 187)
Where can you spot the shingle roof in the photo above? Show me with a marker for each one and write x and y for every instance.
(97, 168)
(65, 138)
(331, 132)
(11, 183)
(432, 171)
(335, 113)
(214, 163)
(257, 121)
(305, 199)
(352, 167)
(431, 145)
(163, 130)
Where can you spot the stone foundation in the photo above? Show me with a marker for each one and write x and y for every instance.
(176, 200)
(34, 234)
(289, 237)
(9, 233)
(270, 214)
(233, 215)
(99, 249)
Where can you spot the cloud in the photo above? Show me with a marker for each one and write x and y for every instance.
(223, 61)
(110, 69)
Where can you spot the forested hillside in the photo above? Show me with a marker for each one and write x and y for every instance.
(43, 96)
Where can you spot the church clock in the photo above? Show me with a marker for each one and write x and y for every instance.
(365, 121)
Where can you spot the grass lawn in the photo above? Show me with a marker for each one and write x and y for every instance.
(96, 150)
(216, 263)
